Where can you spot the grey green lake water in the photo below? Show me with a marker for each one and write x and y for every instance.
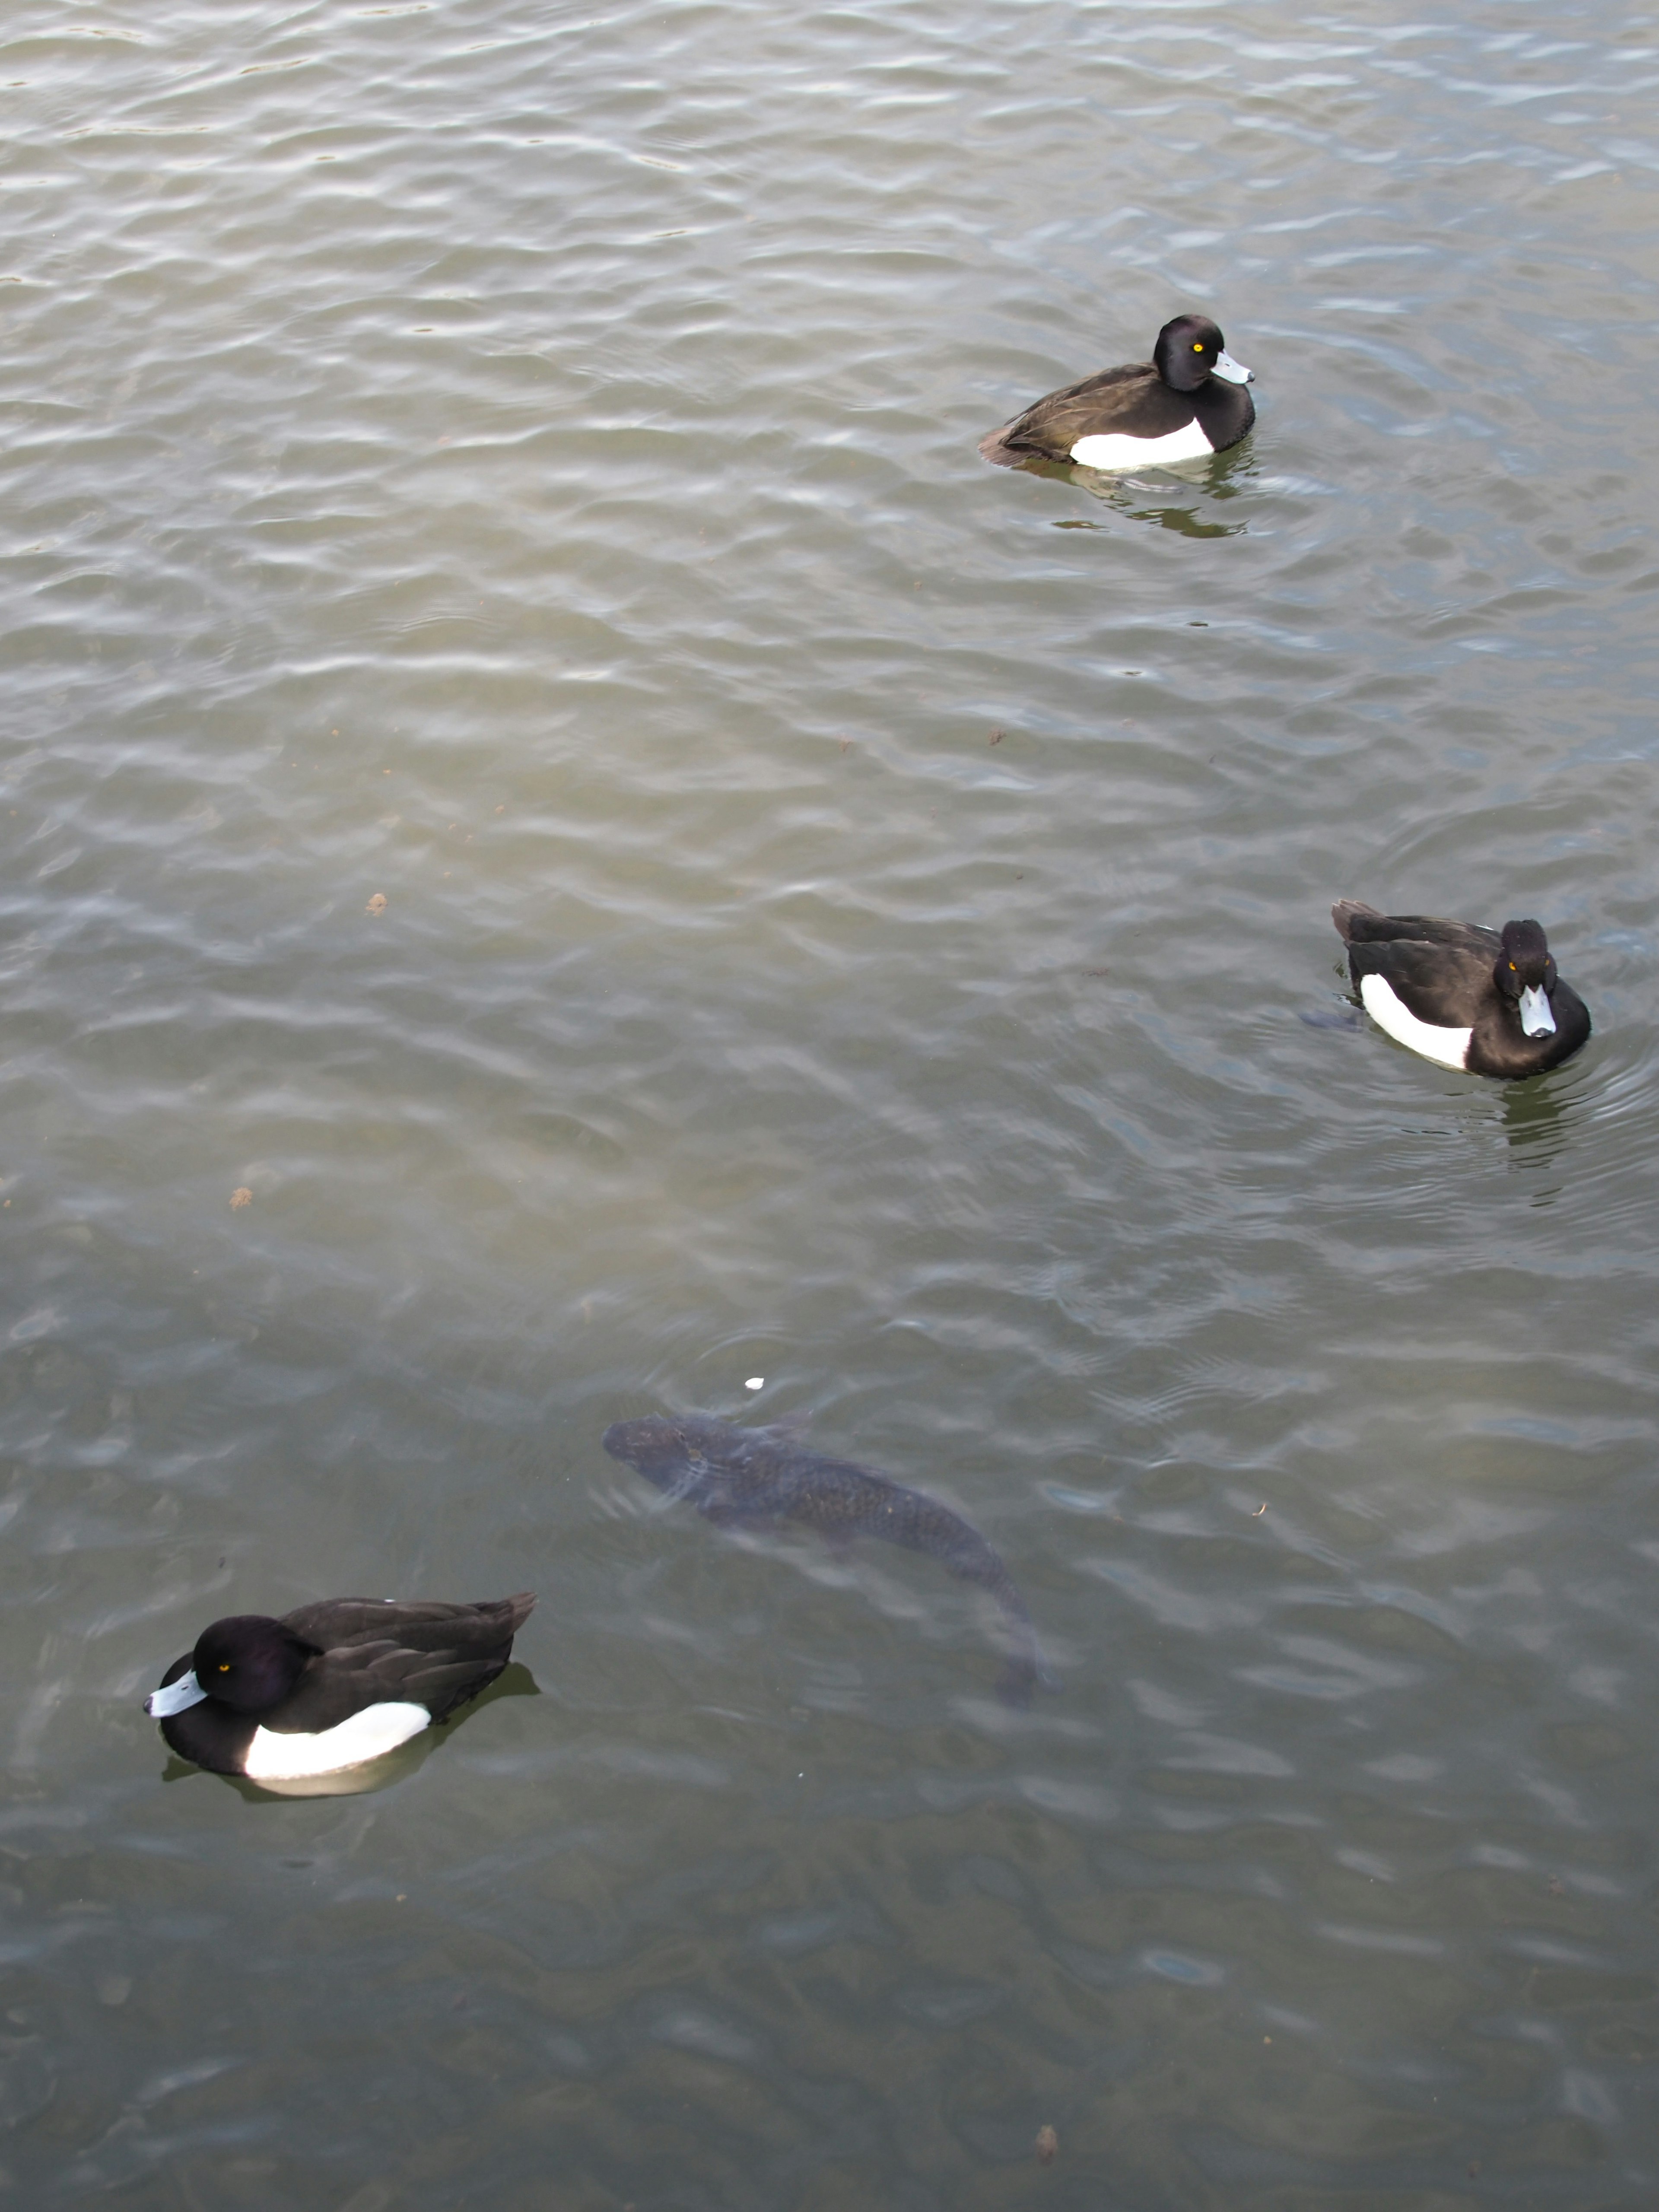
(569, 846)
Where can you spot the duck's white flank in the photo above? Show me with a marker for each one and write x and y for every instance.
(274, 1758)
(1112, 449)
(1448, 1047)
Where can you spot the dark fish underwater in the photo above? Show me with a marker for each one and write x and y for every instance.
(760, 1478)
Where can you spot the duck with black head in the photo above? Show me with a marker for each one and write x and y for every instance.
(1187, 402)
(330, 1685)
(1487, 1001)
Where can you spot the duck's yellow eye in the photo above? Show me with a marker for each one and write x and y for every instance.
(224, 1666)
(1198, 348)
(1511, 967)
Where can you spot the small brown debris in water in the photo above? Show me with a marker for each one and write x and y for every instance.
(241, 1196)
(1047, 2143)
(1557, 1887)
(996, 736)
(377, 904)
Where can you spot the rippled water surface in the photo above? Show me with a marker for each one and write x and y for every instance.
(568, 845)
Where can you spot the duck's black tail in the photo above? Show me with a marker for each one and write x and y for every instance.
(1347, 913)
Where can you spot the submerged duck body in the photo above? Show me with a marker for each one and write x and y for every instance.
(1486, 1000)
(330, 1685)
(1187, 402)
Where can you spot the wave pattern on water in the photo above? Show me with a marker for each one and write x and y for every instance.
(847, 917)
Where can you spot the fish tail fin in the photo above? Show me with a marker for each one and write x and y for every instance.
(1025, 1672)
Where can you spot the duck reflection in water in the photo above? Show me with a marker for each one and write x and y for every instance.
(1161, 504)
(1537, 1120)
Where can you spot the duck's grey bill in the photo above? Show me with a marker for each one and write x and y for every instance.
(1536, 1018)
(1233, 371)
(178, 1696)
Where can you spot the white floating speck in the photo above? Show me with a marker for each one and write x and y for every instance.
(756, 1382)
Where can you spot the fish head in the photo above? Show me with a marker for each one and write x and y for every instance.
(652, 1446)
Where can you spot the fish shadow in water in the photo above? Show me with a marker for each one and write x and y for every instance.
(843, 1564)
(758, 1480)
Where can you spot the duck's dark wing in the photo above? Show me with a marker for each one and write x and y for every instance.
(422, 1653)
(1359, 924)
(1449, 986)
(422, 1624)
(1133, 402)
